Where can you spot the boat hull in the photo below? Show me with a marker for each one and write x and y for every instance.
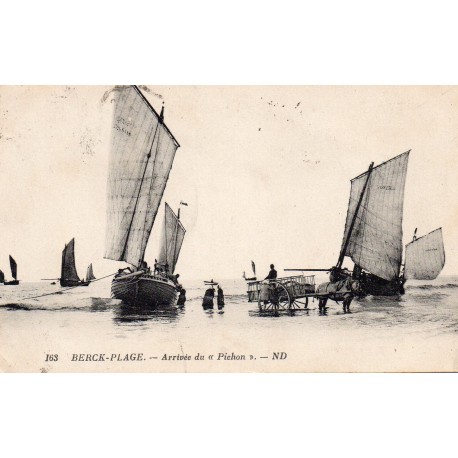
(376, 286)
(144, 290)
(12, 283)
(66, 283)
(371, 284)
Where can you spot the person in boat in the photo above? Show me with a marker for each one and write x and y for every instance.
(145, 267)
(174, 278)
(220, 299)
(125, 270)
(272, 273)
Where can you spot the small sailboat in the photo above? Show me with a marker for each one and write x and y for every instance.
(2, 277)
(69, 275)
(425, 256)
(253, 268)
(90, 273)
(142, 154)
(13, 267)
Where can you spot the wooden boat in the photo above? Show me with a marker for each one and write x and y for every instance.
(142, 154)
(373, 234)
(69, 275)
(13, 267)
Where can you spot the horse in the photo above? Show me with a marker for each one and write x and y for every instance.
(343, 290)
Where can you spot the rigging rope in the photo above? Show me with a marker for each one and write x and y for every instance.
(66, 289)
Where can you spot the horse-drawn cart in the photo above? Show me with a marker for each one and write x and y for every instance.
(286, 293)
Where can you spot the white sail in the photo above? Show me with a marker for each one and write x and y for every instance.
(425, 257)
(172, 238)
(142, 153)
(375, 243)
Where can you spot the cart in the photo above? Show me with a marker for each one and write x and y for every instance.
(285, 293)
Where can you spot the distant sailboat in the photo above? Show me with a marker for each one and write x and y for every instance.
(13, 267)
(425, 257)
(2, 277)
(69, 275)
(90, 273)
(142, 154)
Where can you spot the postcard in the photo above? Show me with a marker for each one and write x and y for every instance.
(228, 229)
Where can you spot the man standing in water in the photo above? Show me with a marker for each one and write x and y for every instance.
(272, 274)
(220, 297)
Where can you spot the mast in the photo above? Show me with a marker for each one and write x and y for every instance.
(141, 157)
(176, 237)
(344, 248)
(148, 156)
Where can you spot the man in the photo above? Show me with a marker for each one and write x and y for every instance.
(272, 274)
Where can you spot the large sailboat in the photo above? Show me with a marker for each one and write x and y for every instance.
(13, 267)
(142, 154)
(69, 275)
(373, 234)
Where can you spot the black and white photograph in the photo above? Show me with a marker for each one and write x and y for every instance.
(152, 228)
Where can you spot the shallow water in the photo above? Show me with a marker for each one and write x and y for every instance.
(416, 331)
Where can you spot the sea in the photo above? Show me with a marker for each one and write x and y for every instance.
(46, 328)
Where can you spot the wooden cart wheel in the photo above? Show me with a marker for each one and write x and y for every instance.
(299, 303)
(279, 299)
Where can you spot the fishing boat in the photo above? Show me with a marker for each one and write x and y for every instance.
(90, 273)
(373, 234)
(69, 275)
(13, 267)
(141, 157)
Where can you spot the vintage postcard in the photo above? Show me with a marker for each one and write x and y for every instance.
(229, 228)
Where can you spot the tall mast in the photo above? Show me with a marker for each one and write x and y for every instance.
(347, 240)
(161, 118)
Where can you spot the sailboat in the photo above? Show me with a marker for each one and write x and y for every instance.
(373, 234)
(69, 275)
(90, 273)
(2, 277)
(425, 256)
(13, 267)
(141, 157)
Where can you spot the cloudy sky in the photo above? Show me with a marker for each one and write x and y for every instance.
(265, 170)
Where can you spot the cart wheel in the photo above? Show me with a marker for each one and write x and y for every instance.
(279, 299)
(299, 303)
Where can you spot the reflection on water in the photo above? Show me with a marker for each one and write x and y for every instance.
(427, 309)
(129, 314)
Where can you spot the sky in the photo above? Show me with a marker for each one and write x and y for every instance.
(265, 171)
